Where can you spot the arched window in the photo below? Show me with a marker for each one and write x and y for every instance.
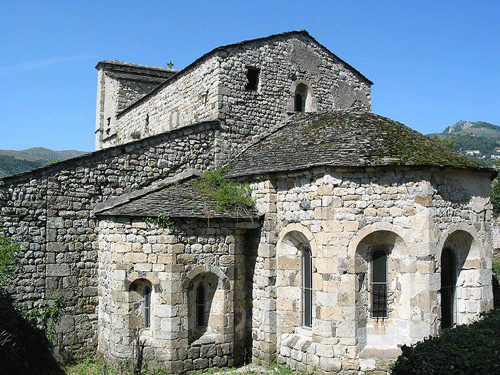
(306, 287)
(379, 284)
(448, 284)
(140, 303)
(200, 305)
(301, 92)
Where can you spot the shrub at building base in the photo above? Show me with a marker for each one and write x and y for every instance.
(467, 349)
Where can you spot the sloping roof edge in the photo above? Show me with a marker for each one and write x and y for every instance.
(222, 48)
(126, 198)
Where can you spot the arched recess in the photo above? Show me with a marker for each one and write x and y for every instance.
(209, 301)
(378, 287)
(296, 252)
(142, 290)
(462, 286)
(304, 99)
(140, 304)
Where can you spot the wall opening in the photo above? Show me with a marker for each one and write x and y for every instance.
(379, 284)
(448, 284)
(301, 96)
(253, 79)
(306, 286)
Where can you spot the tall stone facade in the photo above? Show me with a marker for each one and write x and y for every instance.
(364, 235)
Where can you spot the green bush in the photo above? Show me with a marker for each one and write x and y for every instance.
(467, 349)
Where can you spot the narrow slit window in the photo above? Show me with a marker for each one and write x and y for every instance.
(306, 288)
(379, 284)
(448, 285)
(253, 79)
(147, 307)
(200, 306)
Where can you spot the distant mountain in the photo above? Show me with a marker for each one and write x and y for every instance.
(479, 140)
(467, 125)
(15, 162)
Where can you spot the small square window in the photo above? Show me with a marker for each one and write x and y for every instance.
(253, 79)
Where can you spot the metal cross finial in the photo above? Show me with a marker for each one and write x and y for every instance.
(170, 64)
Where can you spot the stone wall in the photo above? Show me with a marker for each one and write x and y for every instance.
(119, 85)
(50, 211)
(189, 98)
(215, 87)
(174, 261)
(343, 216)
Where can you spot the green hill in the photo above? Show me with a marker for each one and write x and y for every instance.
(15, 162)
(479, 140)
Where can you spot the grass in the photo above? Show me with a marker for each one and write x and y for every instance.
(94, 366)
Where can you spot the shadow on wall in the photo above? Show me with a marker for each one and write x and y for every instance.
(24, 349)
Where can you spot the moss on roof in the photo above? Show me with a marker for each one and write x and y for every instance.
(345, 139)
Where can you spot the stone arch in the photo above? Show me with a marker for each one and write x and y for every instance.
(364, 233)
(294, 242)
(216, 302)
(371, 329)
(459, 245)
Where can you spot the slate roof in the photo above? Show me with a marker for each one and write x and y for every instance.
(345, 139)
(178, 200)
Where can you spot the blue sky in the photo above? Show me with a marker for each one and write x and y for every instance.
(433, 63)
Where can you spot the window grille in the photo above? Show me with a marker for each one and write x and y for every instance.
(306, 288)
(379, 287)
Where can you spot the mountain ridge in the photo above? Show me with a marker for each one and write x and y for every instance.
(13, 162)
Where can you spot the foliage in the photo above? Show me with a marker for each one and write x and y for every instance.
(86, 366)
(495, 195)
(443, 139)
(160, 220)
(496, 267)
(467, 349)
(45, 317)
(224, 191)
(9, 260)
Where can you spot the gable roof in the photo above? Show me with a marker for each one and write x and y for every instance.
(344, 139)
(211, 53)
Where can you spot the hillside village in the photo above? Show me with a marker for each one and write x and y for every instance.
(359, 234)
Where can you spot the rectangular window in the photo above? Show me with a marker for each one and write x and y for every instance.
(253, 79)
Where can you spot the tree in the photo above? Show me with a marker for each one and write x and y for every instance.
(495, 191)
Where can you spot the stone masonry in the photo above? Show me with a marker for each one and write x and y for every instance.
(364, 236)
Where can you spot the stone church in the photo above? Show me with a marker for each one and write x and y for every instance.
(364, 235)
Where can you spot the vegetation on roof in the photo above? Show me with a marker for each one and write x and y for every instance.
(345, 139)
(224, 192)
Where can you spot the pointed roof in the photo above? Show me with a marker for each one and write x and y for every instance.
(267, 39)
(345, 139)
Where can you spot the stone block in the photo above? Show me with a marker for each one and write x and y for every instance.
(330, 364)
(58, 270)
